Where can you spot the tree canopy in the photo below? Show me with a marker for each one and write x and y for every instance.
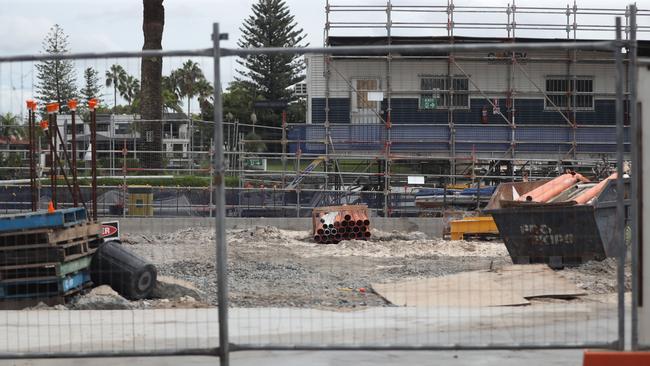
(57, 80)
(272, 25)
(92, 88)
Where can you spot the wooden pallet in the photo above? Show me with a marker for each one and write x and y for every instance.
(43, 270)
(47, 254)
(44, 287)
(48, 237)
(34, 220)
(18, 304)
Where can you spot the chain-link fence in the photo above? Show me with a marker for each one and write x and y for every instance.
(430, 134)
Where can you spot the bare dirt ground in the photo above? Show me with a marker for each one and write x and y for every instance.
(272, 267)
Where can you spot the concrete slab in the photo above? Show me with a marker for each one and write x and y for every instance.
(566, 323)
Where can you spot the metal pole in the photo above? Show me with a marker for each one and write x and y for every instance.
(620, 208)
(73, 168)
(211, 173)
(125, 189)
(220, 211)
(93, 161)
(636, 176)
(53, 158)
(32, 155)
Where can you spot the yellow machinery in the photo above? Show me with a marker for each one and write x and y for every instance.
(140, 201)
(481, 225)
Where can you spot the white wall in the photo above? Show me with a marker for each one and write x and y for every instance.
(488, 76)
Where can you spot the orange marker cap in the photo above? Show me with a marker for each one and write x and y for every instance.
(52, 107)
(92, 104)
(72, 104)
(44, 125)
(30, 104)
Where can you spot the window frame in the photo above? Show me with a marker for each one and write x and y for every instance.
(445, 95)
(571, 81)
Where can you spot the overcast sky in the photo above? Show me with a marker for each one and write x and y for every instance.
(113, 25)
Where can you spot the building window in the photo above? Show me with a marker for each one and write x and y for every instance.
(79, 128)
(444, 92)
(364, 86)
(122, 129)
(569, 92)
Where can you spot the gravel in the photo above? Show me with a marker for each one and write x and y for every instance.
(270, 267)
(273, 267)
(597, 277)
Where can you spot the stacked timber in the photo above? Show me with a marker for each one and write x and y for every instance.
(45, 257)
(332, 224)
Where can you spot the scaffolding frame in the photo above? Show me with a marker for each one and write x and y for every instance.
(514, 22)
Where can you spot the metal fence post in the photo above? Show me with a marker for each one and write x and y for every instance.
(620, 208)
(220, 212)
(635, 144)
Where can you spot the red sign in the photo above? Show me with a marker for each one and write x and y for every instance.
(108, 230)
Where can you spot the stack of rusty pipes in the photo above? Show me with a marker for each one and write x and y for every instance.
(336, 223)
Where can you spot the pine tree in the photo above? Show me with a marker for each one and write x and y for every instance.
(57, 81)
(272, 25)
(91, 89)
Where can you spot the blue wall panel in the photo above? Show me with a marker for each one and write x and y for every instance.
(339, 110)
(528, 112)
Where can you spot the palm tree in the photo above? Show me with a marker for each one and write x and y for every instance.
(170, 95)
(187, 79)
(115, 76)
(151, 102)
(204, 91)
(129, 89)
(11, 128)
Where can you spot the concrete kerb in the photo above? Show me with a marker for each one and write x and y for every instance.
(432, 227)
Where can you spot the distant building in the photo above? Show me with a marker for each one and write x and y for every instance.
(116, 132)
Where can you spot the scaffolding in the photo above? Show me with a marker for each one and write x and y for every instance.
(392, 19)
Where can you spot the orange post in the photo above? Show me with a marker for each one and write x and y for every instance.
(72, 104)
(52, 108)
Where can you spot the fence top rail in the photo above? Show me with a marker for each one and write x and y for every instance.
(373, 50)
(206, 52)
(357, 50)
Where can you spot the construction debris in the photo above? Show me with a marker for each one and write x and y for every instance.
(465, 289)
(508, 286)
(333, 224)
(101, 298)
(172, 288)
